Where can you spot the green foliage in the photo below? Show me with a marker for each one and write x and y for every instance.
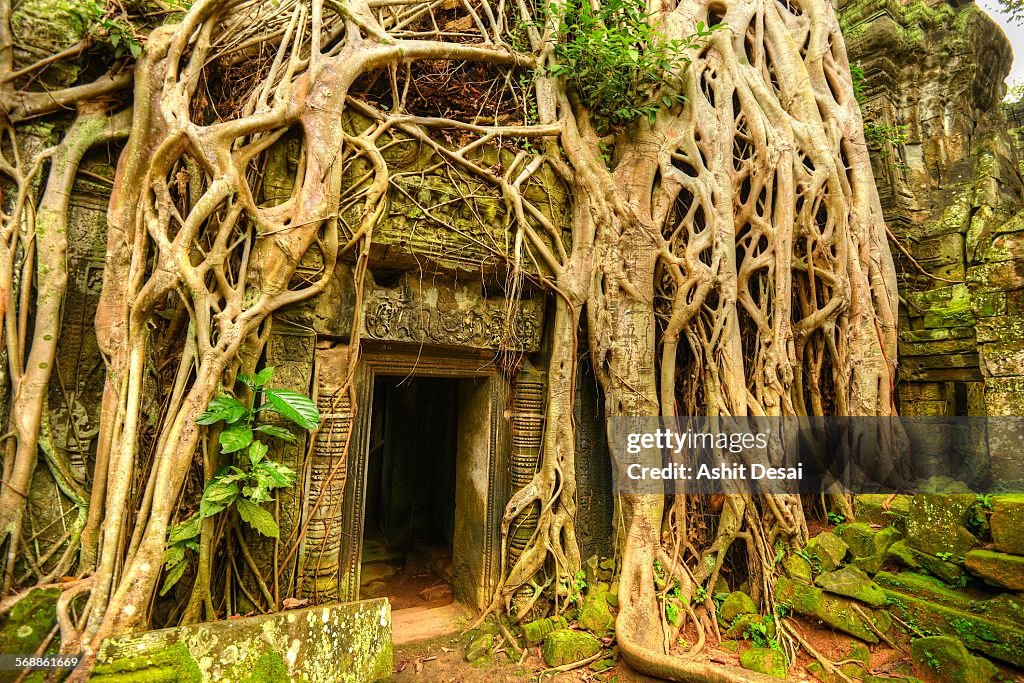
(857, 74)
(110, 26)
(882, 136)
(945, 555)
(617, 61)
(246, 483)
(836, 518)
(577, 585)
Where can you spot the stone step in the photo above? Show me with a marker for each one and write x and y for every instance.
(997, 569)
(1003, 606)
(992, 637)
(347, 642)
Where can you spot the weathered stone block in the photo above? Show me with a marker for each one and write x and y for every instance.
(765, 661)
(998, 569)
(827, 550)
(797, 568)
(26, 626)
(566, 646)
(867, 544)
(1004, 606)
(838, 613)
(936, 524)
(1002, 276)
(347, 642)
(595, 616)
(736, 604)
(536, 631)
(1007, 523)
(868, 507)
(901, 553)
(853, 583)
(995, 638)
(945, 660)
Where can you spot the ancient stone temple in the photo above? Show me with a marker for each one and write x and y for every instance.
(948, 177)
(401, 495)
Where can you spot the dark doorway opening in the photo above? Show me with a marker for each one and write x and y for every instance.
(410, 492)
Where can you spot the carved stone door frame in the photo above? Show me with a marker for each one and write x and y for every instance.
(395, 359)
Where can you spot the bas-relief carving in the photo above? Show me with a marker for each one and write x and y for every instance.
(422, 312)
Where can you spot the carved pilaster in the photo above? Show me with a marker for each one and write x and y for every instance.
(527, 435)
(328, 473)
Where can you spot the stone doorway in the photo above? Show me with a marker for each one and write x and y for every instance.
(428, 478)
(411, 501)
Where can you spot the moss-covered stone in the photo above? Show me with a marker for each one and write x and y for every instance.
(565, 646)
(479, 647)
(1007, 523)
(764, 661)
(868, 545)
(536, 631)
(826, 551)
(170, 664)
(936, 524)
(797, 568)
(270, 668)
(595, 616)
(945, 660)
(998, 569)
(747, 625)
(836, 612)
(852, 583)
(868, 507)
(1004, 606)
(736, 604)
(344, 643)
(901, 553)
(992, 637)
(30, 621)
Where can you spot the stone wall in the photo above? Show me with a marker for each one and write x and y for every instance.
(948, 176)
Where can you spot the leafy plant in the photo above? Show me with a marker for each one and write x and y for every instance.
(245, 484)
(944, 555)
(836, 518)
(577, 586)
(859, 79)
(883, 136)
(110, 26)
(617, 61)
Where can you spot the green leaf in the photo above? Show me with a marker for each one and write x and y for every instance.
(279, 432)
(217, 495)
(185, 530)
(135, 48)
(235, 438)
(278, 475)
(293, 406)
(257, 451)
(263, 376)
(174, 556)
(258, 518)
(173, 576)
(223, 409)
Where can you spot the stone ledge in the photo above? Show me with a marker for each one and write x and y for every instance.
(342, 643)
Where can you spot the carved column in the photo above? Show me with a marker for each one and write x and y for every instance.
(527, 436)
(328, 473)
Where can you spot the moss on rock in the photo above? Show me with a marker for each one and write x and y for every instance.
(736, 604)
(945, 660)
(565, 646)
(764, 660)
(852, 583)
(997, 569)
